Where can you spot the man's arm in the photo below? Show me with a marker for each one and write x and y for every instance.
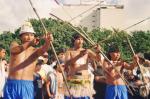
(95, 56)
(15, 48)
(71, 60)
(132, 65)
(128, 66)
(48, 89)
(38, 52)
(48, 40)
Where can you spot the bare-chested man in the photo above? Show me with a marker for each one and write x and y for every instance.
(77, 73)
(22, 64)
(116, 88)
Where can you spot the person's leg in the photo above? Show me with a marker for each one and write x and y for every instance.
(38, 87)
(10, 90)
(110, 92)
(19, 89)
(27, 91)
(122, 92)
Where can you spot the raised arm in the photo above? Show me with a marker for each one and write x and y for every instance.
(132, 65)
(15, 48)
(48, 40)
(128, 66)
(71, 60)
(95, 56)
(38, 52)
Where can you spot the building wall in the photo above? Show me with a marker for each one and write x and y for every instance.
(112, 18)
(106, 18)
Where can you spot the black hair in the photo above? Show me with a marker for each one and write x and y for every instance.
(63, 50)
(61, 62)
(39, 62)
(75, 36)
(112, 48)
(147, 56)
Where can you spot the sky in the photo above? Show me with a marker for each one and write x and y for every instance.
(135, 11)
(14, 12)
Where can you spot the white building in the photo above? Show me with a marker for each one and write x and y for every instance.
(92, 16)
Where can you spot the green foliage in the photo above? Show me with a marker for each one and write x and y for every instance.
(62, 34)
(6, 38)
(107, 37)
(141, 41)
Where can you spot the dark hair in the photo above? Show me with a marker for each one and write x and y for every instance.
(63, 50)
(61, 62)
(147, 55)
(75, 36)
(112, 48)
(39, 62)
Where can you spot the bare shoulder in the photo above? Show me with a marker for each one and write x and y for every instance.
(89, 51)
(68, 51)
(105, 63)
(14, 44)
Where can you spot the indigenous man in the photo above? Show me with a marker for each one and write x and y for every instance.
(116, 88)
(22, 64)
(78, 77)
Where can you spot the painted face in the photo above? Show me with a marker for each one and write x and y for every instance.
(115, 55)
(2, 53)
(27, 37)
(79, 42)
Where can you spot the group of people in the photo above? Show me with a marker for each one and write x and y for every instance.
(31, 77)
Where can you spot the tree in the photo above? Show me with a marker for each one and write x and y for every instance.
(62, 33)
(141, 41)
